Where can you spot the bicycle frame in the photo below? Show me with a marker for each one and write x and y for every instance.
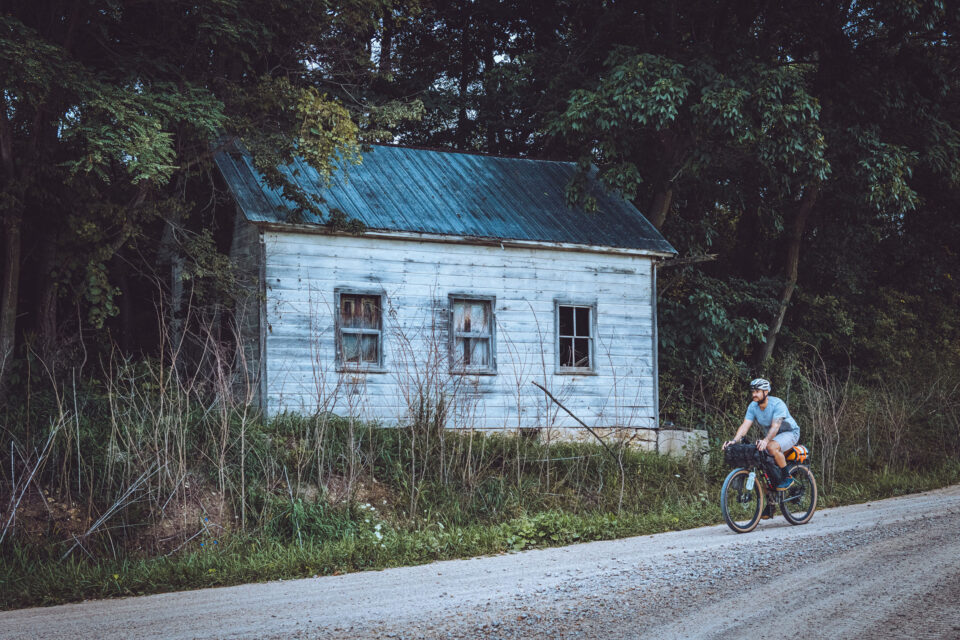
(759, 471)
(770, 493)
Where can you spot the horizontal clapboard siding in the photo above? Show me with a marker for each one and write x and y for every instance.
(302, 272)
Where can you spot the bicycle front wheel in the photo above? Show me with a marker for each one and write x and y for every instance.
(741, 504)
(800, 501)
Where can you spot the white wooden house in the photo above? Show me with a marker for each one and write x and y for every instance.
(472, 279)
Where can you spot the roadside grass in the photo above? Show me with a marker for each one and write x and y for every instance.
(858, 486)
(154, 476)
(663, 494)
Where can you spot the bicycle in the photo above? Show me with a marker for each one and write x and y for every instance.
(748, 487)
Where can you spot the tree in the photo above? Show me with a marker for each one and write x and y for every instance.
(110, 111)
(778, 110)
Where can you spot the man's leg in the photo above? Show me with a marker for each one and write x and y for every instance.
(777, 453)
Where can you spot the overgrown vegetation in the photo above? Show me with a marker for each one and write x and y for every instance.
(133, 484)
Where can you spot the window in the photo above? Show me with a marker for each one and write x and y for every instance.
(575, 337)
(472, 344)
(359, 330)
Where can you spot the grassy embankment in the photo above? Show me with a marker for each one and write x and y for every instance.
(367, 498)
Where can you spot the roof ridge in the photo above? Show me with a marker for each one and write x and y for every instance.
(483, 154)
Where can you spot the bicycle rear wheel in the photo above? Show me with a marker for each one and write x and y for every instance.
(741, 506)
(800, 501)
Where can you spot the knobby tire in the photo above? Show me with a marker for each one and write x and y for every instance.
(741, 508)
(800, 501)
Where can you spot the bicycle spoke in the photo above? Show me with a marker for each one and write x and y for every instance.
(798, 507)
(740, 506)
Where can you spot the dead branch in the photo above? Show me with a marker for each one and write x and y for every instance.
(679, 262)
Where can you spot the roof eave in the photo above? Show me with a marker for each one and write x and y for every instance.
(387, 234)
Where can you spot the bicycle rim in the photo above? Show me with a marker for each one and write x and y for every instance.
(800, 501)
(741, 506)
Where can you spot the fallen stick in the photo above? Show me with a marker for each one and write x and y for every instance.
(615, 457)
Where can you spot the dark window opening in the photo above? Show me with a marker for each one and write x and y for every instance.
(575, 336)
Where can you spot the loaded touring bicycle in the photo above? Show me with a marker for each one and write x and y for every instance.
(749, 493)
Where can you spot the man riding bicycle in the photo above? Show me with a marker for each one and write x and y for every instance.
(771, 413)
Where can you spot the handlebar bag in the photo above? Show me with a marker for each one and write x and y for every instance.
(740, 455)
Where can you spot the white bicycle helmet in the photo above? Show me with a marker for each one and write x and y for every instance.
(760, 383)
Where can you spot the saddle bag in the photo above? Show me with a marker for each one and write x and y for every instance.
(797, 455)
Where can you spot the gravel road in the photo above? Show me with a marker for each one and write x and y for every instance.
(887, 569)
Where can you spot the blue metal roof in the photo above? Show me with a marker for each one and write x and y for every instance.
(447, 193)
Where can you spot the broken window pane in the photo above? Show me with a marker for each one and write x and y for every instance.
(575, 336)
(566, 352)
(460, 317)
(351, 347)
(581, 353)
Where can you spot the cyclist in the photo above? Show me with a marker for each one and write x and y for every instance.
(771, 413)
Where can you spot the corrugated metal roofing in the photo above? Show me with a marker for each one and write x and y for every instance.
(446, 193)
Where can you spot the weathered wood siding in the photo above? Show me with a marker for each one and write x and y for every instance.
(302, 272)
(246, 251)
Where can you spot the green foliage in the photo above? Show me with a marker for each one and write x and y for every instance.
(752, 118)
(107, 154)
(543, 529)
(886, 170)
(705, 325)
(99, 295)
(293, 521)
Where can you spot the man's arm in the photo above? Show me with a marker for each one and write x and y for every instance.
(742, 431)
(774, 429)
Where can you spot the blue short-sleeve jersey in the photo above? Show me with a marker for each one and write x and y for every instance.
(776, 408)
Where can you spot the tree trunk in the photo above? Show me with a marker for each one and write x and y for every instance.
(170, 252)
(464, 125)
(807, 202)
(662, 200)
(47, 302)
(671, 151)
(11, 292)
(126, 320)
(12, 220)
(463, 122)
(386, 43)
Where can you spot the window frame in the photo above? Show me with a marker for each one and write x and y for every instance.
(358, 367)
(590, 370)
(491, 369)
